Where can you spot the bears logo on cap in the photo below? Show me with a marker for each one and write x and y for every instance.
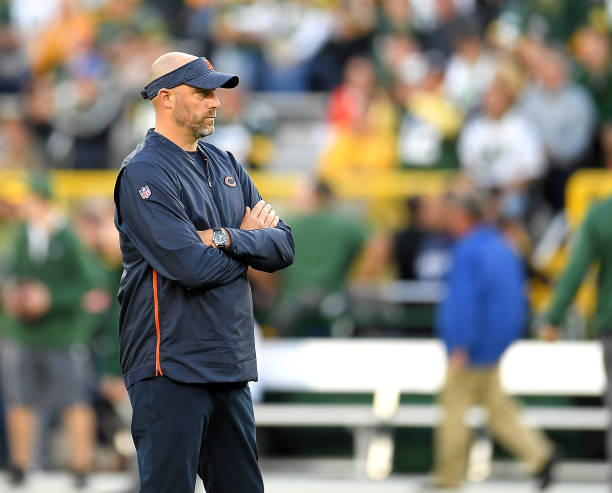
(210, 66)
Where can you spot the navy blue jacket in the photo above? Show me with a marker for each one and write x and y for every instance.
(186, 308)
(485, 309)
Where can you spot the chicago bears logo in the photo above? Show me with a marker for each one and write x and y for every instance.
(230, 182)
(210, 66)
(145, 192)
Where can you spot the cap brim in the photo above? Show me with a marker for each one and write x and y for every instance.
(214, 80)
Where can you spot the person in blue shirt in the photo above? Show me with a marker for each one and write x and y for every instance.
(483, 313)
(190, 224)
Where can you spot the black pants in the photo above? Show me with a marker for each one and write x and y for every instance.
(181, 430)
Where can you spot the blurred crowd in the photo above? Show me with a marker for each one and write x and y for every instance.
(515, 95)
(516, 103)
(412, 84)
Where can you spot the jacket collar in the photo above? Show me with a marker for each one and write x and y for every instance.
(158, 138)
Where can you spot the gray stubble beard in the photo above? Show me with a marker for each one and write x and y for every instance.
(204, 131)
(197, 130)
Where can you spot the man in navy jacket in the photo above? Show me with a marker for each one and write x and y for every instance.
(484, 311)
(191, 222)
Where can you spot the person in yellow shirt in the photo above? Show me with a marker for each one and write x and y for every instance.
(367, 144)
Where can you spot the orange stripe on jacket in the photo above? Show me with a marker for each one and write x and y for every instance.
(158, 370)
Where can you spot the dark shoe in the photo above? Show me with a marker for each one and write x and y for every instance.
(545, 476)
(16, 476)
(80, 481)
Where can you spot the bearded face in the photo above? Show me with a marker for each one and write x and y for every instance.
(198, 124)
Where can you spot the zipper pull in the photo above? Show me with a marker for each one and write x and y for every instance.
(207, 172)
(205, 159)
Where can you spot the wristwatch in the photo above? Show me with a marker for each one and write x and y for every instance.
(220, 237)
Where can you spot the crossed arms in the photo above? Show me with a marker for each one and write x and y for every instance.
(161, 231)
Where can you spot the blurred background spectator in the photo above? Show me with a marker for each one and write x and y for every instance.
(420, 251)
(18, 147)
(564, 114)
(45, 360)
(312, 292)
(483, 312)
(499, 148)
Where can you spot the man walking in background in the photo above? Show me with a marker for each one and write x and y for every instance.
(191, 222)
(485, 310)
(593, 247)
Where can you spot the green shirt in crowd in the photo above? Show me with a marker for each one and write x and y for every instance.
(558, 19)
(104, 327)
(593, 244)
(600, 90)
(64, 273)
(328, 243)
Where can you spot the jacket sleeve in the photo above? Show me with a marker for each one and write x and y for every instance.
(161, 231)
(582, 257)
(457, 318)
(268, 249)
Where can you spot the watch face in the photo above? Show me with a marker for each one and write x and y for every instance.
(220, 238)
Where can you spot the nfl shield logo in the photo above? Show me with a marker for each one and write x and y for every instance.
(145, 192)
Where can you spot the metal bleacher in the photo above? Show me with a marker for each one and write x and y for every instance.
(387, 368)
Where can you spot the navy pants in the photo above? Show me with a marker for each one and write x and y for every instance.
(183, 430)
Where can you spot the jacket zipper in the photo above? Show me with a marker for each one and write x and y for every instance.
(158, 369)
(205, 159)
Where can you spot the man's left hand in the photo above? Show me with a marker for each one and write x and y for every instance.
(206, 237)
(113, 389)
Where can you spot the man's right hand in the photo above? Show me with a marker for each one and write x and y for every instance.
(260, 217)
(28, 301)
(458, 360)
(36, 300)
(549, 333)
